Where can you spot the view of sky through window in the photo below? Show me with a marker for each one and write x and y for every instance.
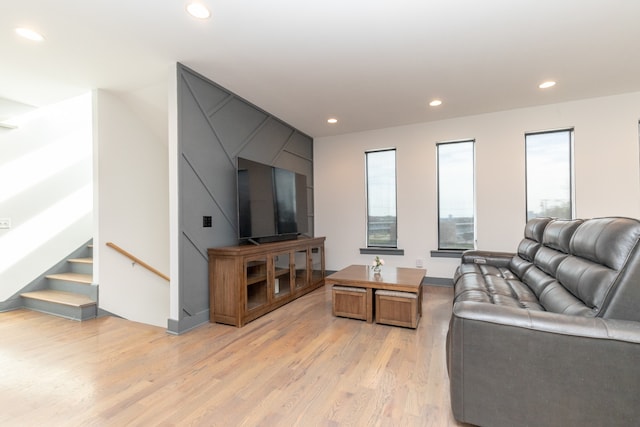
(456, 200)
(455, 178)
(549, 174)
(381, 198)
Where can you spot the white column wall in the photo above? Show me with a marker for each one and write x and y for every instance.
(174, 198)
(607, 179)
(133, 210)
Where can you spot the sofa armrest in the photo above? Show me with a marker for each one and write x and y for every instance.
(510, 366)
(496, 259)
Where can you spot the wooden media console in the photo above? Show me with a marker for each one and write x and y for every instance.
(248, 281)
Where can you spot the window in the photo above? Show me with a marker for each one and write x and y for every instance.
(381, 199)
(456, 195)
(549, 174)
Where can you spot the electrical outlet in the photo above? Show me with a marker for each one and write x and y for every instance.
(419, 263)
(5, 222)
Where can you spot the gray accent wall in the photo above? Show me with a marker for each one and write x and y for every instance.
(216, 126)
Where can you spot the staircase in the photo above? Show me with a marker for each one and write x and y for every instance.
(70, 294)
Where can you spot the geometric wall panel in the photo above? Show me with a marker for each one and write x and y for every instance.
(299, 145)
(236, 122)
(268, 142)
(216, 126)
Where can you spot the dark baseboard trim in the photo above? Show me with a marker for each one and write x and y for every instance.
(11, 304)
(177, 327)
(381, 251)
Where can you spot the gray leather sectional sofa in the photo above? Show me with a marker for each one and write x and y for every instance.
(550, 335)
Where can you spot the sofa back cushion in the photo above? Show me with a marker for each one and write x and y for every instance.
(555, 244)
(529, 246)
(552, 252)
(559, 233)
(606, 241)
(534, 229)
(599, 250)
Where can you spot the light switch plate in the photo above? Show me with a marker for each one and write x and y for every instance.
(5, 222)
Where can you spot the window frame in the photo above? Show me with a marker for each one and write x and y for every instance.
(367, 198)
(438, 193)
(572, 205)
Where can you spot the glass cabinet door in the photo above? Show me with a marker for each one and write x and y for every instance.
(317, 264)
(282, 275)
(301, 269)
(256, 283)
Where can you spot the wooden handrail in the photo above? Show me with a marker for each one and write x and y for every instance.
(137, 260)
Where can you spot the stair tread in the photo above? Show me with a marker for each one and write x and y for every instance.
(72, 277)
(87, 260)
(60, 297)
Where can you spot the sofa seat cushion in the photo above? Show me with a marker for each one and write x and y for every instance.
(496, 289)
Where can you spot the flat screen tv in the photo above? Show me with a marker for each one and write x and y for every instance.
(272, 203)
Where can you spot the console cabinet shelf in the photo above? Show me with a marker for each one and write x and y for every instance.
(248, 281)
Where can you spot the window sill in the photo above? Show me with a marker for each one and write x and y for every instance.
(448, 253)
(381, 251)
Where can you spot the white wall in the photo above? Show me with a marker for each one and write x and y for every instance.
(133, 210)
(174, 197)
(45, 189)
(607, 178)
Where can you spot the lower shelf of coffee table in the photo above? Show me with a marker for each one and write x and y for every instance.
(387, 307)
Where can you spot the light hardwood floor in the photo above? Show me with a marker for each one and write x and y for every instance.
(296, 366)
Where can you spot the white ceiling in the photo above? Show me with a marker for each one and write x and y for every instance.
(370, 63)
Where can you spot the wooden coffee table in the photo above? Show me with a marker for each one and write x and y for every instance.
(362, 278)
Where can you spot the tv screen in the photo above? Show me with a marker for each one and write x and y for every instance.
(272, 202)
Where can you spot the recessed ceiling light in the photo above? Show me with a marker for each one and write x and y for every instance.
(332, 120)
(435, 103)
(29, 34)
(198, 10)
(547, 84)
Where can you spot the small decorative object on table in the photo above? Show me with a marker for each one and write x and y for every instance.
(377, 264)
